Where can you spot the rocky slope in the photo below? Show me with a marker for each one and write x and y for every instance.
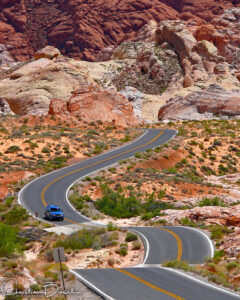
(80, 28)
(174, 69)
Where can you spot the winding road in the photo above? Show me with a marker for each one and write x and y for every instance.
(149, 280)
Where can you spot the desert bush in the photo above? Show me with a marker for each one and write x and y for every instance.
(9, 201)
(114, 204)
(111, 227)
(45, 150)
(131, 237)
(216, 201)
(218, 255)
(13, 149)
(8, 240)
(82, 239)
(122, 250)
(35, 287)
(186, 222)
(138, 155)
(218, 231)
(15, 216)
(177, 264)
(136, 245)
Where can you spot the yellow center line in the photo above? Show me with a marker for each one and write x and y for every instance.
(150, 284)
(179, 242)
(171, 232)
(106, 159)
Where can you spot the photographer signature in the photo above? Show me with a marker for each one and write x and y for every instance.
(49, 289)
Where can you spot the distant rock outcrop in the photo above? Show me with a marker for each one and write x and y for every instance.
(204, 104)
(81, 28)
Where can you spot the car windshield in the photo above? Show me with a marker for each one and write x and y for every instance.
(55, 209)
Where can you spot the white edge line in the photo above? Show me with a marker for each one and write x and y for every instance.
(114, 164)
(147, 246)
(42, 220)
(92, 286)
(147, 251)
(67, 191)
(200, 281)
(20, 192)
(205, 235)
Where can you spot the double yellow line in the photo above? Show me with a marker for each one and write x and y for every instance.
(150, 284)
(169, 231)
(179, 242)
(94, 164)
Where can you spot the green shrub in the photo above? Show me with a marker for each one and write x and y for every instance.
(93, 132)
(136, 245)
(177, 264)
(35, 287)
(117, 205)
(111, 227)
(216, 201)
(232, 265)
(138, 155)
(8, 240)
(218, 231)
(52, 275)
(122, 251)
(9, 201)
(186, 222)
(147, 216)
(131, 237)
(125, 139)
(13, 149)
(218, 255)
(78, 201)
(45, 150)
(83, 239)
(15, 216)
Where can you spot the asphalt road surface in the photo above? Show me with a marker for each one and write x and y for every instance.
(149, 283)
(161, 243)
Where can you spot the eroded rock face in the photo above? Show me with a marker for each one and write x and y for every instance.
(4, 108)
(153, 69)
(6, 61)
(108, 106)
(80, 28)
(203, 104)
(30, 88)
(93, 104)
(198, 58)
(226, 216)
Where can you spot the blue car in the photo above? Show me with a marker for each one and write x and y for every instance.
(54, 212)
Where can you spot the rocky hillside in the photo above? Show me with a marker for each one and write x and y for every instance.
(173, 69)
(81, 28)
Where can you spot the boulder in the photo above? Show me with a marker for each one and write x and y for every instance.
(108, 106)
(48, 52)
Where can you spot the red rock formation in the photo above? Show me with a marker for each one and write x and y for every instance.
(91, 104)
(57, 107)
(108, 106)
(203, 104)
(80, 28)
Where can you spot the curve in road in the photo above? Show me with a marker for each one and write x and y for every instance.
(162, 243)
